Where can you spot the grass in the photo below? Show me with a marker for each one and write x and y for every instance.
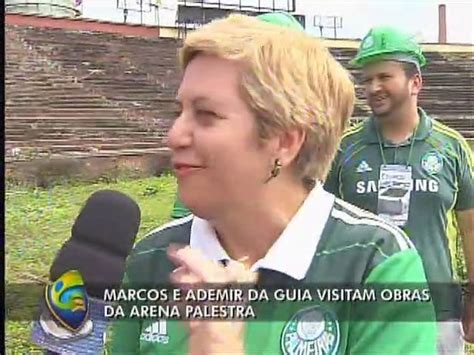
(38, 221)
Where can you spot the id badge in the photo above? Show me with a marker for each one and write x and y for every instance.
(394, 190)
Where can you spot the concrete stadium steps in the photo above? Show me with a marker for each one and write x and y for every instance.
(61, 146)
(85, 149)
(61, 104)
(96, 58)
(54, 110)
(87, 156)
(444, 106)
(67, 124)
(463, 125)
(19, 132)
(19, 148)
(52, 115)
(107, 128)
(103, 97)
(459, 122)
(74, 141)
(149, 84)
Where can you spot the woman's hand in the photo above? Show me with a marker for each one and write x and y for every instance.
(210, 337)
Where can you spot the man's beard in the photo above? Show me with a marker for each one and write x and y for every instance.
(391, 105)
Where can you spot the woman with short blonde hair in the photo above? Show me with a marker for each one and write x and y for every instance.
(262, 110)
(272, 85)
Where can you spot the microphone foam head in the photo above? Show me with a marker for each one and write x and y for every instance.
(101, 239)
(110, 219)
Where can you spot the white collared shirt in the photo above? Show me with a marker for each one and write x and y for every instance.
(293, 251)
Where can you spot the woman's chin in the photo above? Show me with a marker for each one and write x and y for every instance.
(193, 203)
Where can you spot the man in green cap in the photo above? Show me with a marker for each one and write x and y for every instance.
(412, 171)
(277, 18)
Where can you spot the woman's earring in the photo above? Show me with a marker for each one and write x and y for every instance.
(275, 170)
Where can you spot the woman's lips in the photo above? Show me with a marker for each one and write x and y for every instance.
(182, 170)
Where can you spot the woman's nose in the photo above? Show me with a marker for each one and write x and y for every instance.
(180, 133)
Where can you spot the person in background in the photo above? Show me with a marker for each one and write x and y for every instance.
(411, 170)
(262, 111)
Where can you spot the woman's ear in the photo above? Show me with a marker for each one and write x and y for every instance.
(289, 144)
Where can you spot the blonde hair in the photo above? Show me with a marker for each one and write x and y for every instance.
(288, 78)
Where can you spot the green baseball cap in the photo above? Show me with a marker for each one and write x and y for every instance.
(283, 19)
(388, 43)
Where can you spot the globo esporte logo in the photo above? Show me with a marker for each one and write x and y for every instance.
(68, 304)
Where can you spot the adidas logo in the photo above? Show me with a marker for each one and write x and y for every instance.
(155, 333)
(363, 167)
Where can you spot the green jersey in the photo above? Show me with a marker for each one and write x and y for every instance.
(327, 241)
(442, 182)
(179, 210)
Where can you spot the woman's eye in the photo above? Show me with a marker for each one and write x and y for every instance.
(205, 117)
(205, 113)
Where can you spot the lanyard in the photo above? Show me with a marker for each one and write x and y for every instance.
(411, 146)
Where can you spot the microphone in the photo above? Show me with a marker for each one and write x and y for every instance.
(89, 262)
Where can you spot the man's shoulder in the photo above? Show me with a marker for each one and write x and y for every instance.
(448, 137)
(362, 228)
(177, 231)
(353, 137)
(354, 132)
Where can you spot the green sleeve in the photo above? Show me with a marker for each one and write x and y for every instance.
(388, 330)
(465, 195)
(124, 335)
(332, 181)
